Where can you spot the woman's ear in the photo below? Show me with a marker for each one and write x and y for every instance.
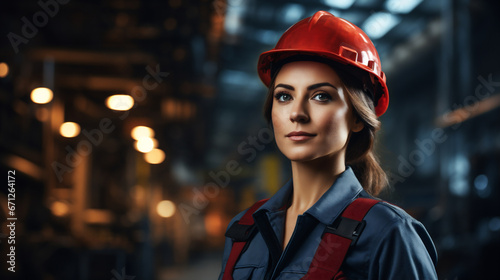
(357, 125)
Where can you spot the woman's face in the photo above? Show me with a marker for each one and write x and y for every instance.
(311, 114)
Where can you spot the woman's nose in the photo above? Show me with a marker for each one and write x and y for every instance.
(299, 113)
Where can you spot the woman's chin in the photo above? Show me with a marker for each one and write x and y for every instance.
(310, 156)
(300, 157)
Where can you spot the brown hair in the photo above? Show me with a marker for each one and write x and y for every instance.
(359, 152)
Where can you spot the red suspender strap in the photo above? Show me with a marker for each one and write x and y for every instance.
(240, 232)
(337, 239)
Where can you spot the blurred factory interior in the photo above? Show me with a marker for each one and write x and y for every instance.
(135, 129)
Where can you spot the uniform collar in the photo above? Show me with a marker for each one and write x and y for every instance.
(343, 191)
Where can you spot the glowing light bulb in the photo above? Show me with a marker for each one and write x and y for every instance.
(41, 95)
(4, 69)
(144, 144)
(120, 102)
(155, 156)
(142, 131)
(69, 129)
(165, 208)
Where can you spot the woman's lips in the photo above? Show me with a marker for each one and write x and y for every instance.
(300, 135)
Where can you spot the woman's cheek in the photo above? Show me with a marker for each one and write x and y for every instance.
(335, 126)
(277, 120)
(279, 127)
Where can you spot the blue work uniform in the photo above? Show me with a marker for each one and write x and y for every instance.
(393, 245)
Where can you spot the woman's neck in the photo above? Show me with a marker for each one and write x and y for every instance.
(311, 180)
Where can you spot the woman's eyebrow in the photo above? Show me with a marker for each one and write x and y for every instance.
(318, 85)
(311, 87)
(289, 87)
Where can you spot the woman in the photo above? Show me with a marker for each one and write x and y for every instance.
(326, 90)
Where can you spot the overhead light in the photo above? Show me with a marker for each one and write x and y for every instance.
(234, 17)
(458, 169)
(339, 4)
(378, 24)
(142, 131)
(120, 102)
(165, 208)
(41, 95)
(69, 129)
(401, 6)
(144, 144)
(292, 13)
(232, 23)
(4, 69)
(155, 156)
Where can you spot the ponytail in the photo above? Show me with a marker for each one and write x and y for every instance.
(359, 152)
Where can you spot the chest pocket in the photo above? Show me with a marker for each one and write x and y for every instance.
(252, 264)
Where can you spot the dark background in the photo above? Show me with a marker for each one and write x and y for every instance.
(440, 139)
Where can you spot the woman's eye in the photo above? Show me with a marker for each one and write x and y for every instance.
(322, 97)
(283, 97)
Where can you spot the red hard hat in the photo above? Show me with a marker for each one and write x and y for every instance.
(333, 38)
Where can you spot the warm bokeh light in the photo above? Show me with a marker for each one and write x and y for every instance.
(69, 129)
(144, 144)
(41, 95)
(142, 131)
(59, 208)
(165, 208)
(120, 102)
(213, 224)
(4, 69)
(155, 156)
(97, 216)
(155, 143)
